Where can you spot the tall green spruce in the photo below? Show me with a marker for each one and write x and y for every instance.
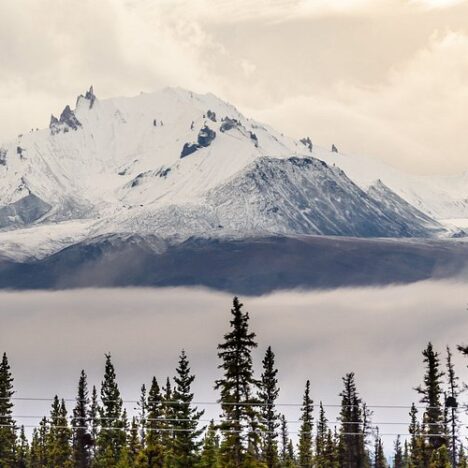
(270, 418)
(7, 424)
(186, 417)
(379, 455)
(59, 436)
(153, 452)
(304, 447)
(111, 438)
(81, 437)
(210, 448)
(237, 388)
(452, 406)
(22, 450)
(352, 444)
(431, 391)
(167, 434)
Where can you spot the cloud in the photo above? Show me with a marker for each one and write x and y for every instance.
(339, 71)
(378, 333)
(411, 120)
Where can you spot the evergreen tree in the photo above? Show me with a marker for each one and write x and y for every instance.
(81, 436)
(7, 424)
(93, 416)
(398, 461)
(462, 460)
(154, 451)
(237, 387)
(440, 458)
(291, 457)
(406, 455)
(352, 449)
(431, 392)
(379, 456)
(418, 452)
(321, 437)
(210, 449)
(451, 406)
(22, 450)
(284, 440)
(59, 452)
(134, 443)
(167, 434)
(112, 437)
(142, 405)
(270, 418)
(304, 447)
(187, 433)
(38, 452)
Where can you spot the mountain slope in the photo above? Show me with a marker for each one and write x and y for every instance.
(179, 164)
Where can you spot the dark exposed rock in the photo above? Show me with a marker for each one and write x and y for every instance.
(90, 96)
(20, 151)
(68, 117)
(229, 124)
(188, 149)
(307, 142)
(24, 211)
(206, 136)
(254, 138)
(211, 115)
(334, 149)
(3, 155)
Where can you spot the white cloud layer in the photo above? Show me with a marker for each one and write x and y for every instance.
(339, 71)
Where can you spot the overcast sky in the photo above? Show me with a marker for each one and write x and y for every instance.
(387, 78)
(377, 332)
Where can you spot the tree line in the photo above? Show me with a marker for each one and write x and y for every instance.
(168, 432)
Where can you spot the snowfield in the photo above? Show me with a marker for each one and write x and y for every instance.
(175, 164)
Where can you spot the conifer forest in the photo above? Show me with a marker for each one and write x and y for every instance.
(169, 430)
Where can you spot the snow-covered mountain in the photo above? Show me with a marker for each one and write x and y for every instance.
(176, 164)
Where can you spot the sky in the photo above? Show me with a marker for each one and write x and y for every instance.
(378, 333)
(384, 78)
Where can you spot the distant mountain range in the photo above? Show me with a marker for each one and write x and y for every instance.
(173, 171)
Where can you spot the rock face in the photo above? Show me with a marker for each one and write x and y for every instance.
(334, 149)
(67, 122)
(206, 136)
(22, 212)
(204, 139)
(307, 142)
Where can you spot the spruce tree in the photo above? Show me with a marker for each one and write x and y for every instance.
(81, 437)
(187, 432)
(379, 456)
(270, 418)
(352, 449)
(462, 459)
(431, 391)
(143, 406)
(154, 450)
(22, 450)
(38, 452)
(440, 458)
(134, 442)
(451, 406)
(112, 437)
(304, 448)
(59, 452)
(321, 437)
(93, 417)
(284, 439)
(417, 445)
(210, 448)
(7, 424)
(237, 387)
(167, 433)
(398, 461)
